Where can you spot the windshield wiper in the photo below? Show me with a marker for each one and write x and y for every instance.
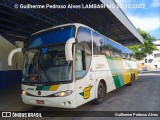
(41, 62)
(45, 73)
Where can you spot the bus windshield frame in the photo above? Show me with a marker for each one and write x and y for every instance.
(52, 36)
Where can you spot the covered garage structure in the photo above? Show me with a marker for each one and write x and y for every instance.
(17, 24)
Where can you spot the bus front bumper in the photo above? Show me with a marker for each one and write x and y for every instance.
(59, 102)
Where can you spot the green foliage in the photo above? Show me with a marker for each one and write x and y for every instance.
(148, 47)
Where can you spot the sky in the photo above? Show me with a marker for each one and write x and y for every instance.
(147, 18)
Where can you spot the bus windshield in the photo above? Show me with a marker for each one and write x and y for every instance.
(46, 65)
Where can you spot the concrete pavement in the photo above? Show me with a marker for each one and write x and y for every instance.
(144, 95)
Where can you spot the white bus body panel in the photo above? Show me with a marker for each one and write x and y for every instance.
(102, 72)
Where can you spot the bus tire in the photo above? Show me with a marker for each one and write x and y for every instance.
(132, 80)
(134, 77)
(100, 94)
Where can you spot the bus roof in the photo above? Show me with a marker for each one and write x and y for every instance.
(64, 25)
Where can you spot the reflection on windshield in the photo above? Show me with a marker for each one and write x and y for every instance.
(47, 65)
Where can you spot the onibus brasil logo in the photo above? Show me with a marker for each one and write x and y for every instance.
(86, 92)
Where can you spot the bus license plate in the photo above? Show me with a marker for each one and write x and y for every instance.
(40, 101)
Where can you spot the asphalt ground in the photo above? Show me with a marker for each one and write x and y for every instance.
(144, 95)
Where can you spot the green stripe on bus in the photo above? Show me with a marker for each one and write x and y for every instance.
(46, 87)
(110, 57)
(43, 87)
(121, 79)
(116, 81)
(39, 88)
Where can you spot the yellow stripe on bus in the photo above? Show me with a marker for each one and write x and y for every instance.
(53, 87)
(125, 73)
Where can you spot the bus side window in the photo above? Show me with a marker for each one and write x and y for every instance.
(97, 43)
(80, 64)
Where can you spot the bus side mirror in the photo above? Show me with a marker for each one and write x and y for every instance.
(68, 49)
(11, 55)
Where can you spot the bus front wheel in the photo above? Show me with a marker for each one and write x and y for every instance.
(100, 94)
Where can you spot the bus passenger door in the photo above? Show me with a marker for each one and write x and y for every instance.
(85, 79)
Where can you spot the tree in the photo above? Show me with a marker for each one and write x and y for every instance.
(148, 47)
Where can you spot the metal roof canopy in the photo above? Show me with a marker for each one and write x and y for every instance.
(19, 24)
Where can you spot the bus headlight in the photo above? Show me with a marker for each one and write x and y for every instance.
(24, 92)
(64, 93)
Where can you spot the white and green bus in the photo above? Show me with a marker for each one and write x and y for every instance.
(69, 65)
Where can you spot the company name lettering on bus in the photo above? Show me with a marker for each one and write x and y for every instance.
(30, 88)
(100, 65)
